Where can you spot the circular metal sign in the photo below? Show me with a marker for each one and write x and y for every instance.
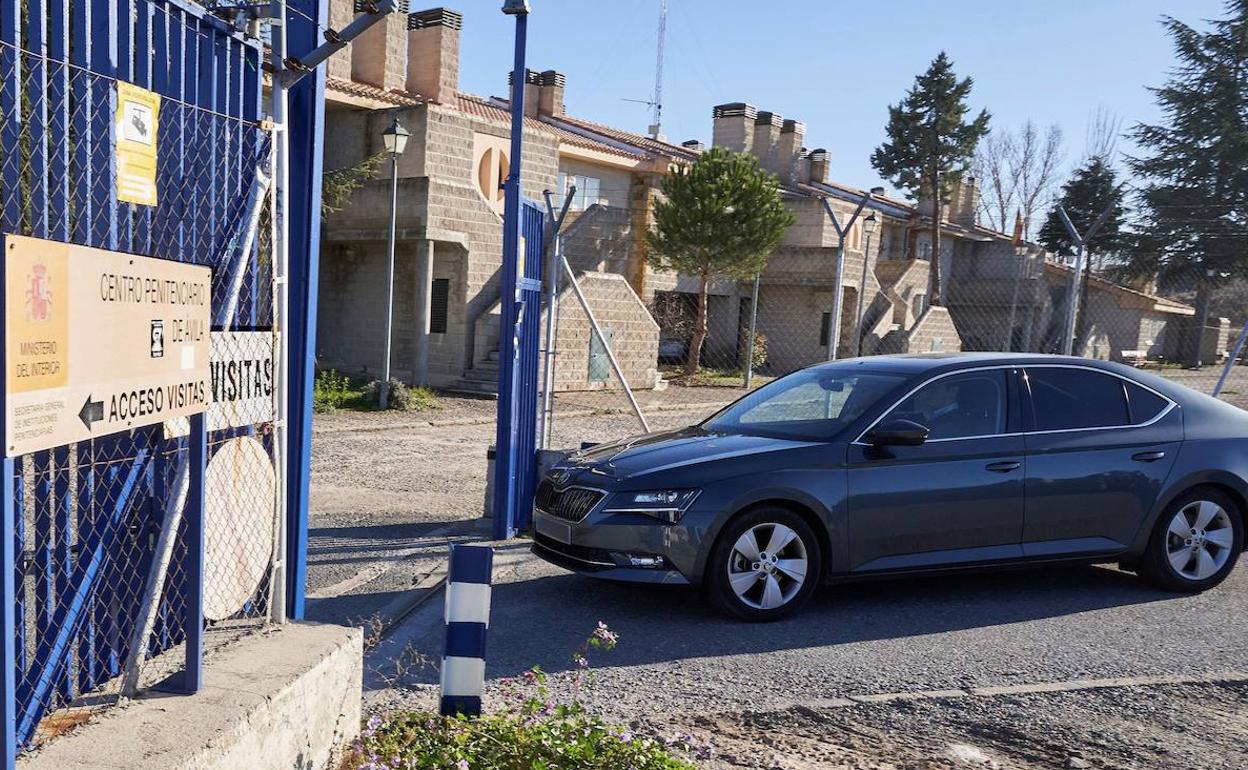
(239, 491)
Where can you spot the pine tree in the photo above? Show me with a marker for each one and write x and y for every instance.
(720, 216)
(931, 144)
(1090, 189)
(1195, 203)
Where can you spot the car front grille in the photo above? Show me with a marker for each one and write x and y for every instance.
(571, 504)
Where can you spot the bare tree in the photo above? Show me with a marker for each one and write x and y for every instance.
(1038, 159)
(993, 166)
(1101, 136)
(1017, 171)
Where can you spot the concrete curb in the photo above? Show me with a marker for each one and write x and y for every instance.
(399, 610)
(286, 696)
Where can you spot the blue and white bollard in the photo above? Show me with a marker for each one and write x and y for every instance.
(467, 619)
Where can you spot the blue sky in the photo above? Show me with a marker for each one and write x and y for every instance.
(836, 65)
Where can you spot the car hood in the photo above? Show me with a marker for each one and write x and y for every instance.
(656, 453)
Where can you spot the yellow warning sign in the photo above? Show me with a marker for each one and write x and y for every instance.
(98, 342)
(138, 116)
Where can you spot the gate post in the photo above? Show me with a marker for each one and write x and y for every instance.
(505, 466)
(197, 463)
(304, 126)
(8, 617)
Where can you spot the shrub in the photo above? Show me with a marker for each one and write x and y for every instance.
(534, 731)
(330, 391)
(402, 398)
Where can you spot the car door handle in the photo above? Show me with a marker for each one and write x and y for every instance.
(1148, 457)
(1005, 466)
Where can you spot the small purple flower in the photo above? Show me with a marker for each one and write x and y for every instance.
(461, 765)
(626, 737)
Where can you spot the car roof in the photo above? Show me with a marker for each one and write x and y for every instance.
(920, 363)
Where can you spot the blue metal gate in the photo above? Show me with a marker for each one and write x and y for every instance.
(80, 520)
(519, 372)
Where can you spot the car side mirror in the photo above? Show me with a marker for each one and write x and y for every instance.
(898, 433)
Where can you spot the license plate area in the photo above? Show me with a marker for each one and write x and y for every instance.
(553, 528)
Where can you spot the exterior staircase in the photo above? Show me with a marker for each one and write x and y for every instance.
(481, 379)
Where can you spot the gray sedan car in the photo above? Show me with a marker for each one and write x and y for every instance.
(911, 464)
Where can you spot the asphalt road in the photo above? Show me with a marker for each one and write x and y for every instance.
(677, 654)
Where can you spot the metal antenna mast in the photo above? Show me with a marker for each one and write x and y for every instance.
(657, 127)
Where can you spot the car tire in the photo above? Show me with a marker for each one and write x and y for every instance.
(749, 582)
(1195, 543)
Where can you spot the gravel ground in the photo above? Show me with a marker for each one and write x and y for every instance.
(1177, 727)
(390, 490)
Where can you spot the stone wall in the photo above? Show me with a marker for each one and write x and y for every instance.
(598, 239)
(635, 335)
(933, 333)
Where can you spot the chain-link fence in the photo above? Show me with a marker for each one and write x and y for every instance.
(994, 295)
(106, 532)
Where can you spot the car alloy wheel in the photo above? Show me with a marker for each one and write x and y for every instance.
(1199, 540)
(767, 566)
(1195, 543)
(764, 565)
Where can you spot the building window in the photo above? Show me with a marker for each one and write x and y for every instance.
(825, 330)
(439, 301)
(588, 190)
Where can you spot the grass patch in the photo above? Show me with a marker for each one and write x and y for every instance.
(332, 391)
(710, 378)
(537, 728)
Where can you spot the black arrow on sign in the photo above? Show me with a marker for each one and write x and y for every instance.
(92, 411)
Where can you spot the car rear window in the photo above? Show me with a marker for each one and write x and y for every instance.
(1143, 403)
(1066, 399)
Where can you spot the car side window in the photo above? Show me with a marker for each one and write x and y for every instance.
(1143, 403)
(958, 406)
(1068, 399)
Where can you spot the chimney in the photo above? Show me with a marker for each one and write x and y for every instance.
(967, 202)
(789, 150)
(693, 145)
(766, 139)
(801, 172)
(734, 126)
(532, 91)
(819, 162)
(377, 56)
(550, 93)
(433, 53)
(341, 12)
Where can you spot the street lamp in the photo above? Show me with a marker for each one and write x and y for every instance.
(395, 138)
(869, 226)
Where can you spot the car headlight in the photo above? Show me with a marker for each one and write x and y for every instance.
(666, 505)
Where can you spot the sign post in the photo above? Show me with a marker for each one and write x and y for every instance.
(99, 342)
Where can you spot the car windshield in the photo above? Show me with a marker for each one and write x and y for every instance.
(813, 404)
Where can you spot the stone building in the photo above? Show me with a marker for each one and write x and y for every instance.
(450, 240)
(998, 295)
(449, 249)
